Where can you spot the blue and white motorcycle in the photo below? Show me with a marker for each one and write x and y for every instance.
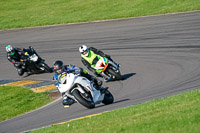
(83, 91)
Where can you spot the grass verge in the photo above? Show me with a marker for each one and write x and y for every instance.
(23, 13)
(175, 114)
(18, 100)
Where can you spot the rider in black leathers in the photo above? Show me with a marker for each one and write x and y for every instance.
(14, 55)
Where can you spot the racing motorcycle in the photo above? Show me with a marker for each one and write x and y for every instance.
(83, 90)
(103, 64)
(33, 63)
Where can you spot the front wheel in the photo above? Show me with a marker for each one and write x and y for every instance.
(108, 98)
(80, 98)
(115, 75)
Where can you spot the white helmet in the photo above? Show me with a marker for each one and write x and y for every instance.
(84, 50)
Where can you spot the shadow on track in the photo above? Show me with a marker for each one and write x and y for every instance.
(126, 76)
(113, 103)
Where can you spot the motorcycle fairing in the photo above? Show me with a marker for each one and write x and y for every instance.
(72, 79)
(97, 96)
(101, 64)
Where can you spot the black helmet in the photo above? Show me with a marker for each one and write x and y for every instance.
(58, 66)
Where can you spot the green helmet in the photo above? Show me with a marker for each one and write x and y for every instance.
(10, 49)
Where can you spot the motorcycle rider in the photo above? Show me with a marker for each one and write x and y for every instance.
(89, 55)
(14, 55)
(60, 69)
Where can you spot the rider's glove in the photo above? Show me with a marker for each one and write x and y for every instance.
(56, 84)
(77, 71)
(108, 56)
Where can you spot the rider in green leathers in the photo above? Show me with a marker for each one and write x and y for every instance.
(89, 58)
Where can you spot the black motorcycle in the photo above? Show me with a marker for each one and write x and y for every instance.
(33, 63)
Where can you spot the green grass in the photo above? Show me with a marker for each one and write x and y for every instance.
(175, 114)
(29, 13)
(18, 100)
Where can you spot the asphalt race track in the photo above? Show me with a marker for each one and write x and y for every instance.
(159, 57)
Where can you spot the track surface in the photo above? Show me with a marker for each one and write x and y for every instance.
(159, 56)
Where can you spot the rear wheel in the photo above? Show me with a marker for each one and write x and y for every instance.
(83, 100)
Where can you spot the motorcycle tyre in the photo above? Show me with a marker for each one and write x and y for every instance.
(82, 101)
(108, 98)
(118, 76)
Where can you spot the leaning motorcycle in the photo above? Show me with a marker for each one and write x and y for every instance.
(34, 63)
(103, 64)
(83, 91)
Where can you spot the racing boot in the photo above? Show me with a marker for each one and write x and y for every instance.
(96, 82)
(102, 89)
(98, 85)
(67, 102)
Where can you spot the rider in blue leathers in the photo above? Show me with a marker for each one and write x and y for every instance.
(60, 69)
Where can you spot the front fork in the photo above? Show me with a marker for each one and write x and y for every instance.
(40, 65)
(113, 64)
